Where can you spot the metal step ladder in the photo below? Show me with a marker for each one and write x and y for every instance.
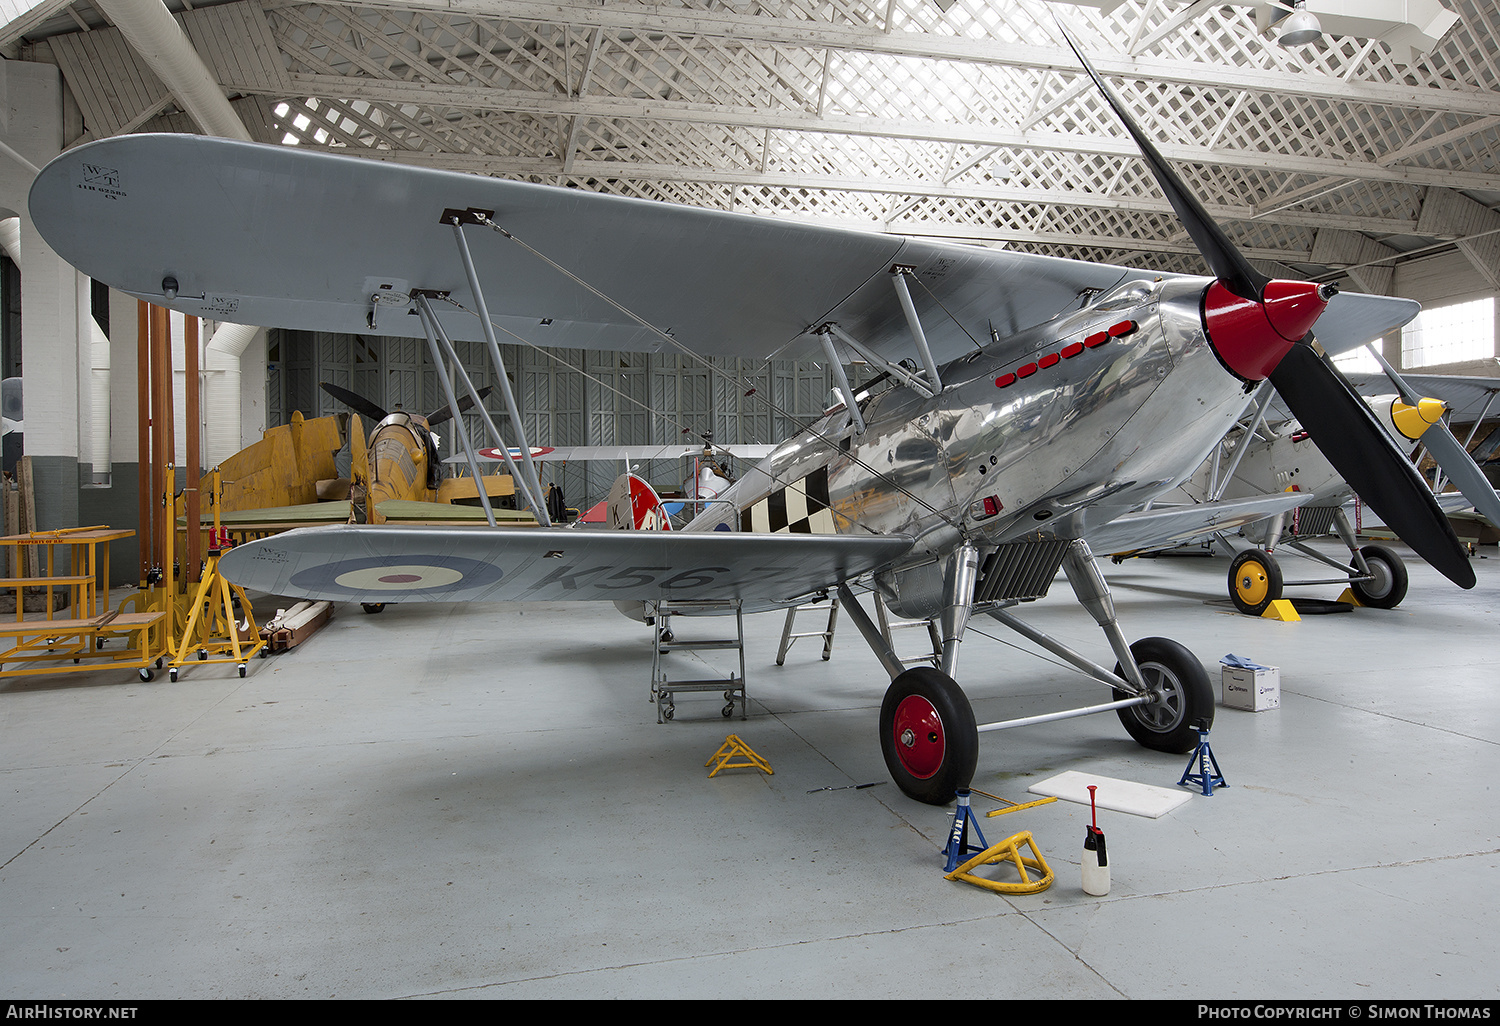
(887, 625)
(788, 638)
(666, 641)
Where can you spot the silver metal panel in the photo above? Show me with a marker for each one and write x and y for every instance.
(440, 564)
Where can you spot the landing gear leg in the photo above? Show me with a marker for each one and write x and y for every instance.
(928, 734)
(1088, 584)
(1181, 695)
(1385, 574)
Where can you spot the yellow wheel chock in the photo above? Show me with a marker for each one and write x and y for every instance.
(1008, 850)
(1282, 609)
(733, 747)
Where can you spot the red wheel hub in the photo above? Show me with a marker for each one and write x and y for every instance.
(920, 743)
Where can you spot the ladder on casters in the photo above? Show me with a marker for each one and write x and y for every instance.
(788, 638)
(663, 689)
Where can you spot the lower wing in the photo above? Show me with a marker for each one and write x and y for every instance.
(1176, 525)
(454, 564)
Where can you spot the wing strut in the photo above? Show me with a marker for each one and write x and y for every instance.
(842, 380)
(898, 278)
(533, 482)
(1244, 446)
(429, 322)
(533, 499)
(915, 382)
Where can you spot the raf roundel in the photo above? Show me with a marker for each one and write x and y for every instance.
(398, 578)
(378, 576)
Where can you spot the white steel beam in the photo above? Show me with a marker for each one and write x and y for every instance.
(605, 108)
(817, 34)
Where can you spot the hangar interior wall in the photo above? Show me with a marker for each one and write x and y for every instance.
(1441, 280)
(566, 397)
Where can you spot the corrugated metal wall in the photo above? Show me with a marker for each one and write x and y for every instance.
(566, 397)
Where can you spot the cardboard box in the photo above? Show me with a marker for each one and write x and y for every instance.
(1255, 690)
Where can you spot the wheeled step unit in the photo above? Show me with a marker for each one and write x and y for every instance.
(665, 641)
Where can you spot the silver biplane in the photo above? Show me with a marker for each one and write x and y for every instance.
(960, 483)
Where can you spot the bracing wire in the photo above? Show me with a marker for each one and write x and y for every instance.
(697, 357)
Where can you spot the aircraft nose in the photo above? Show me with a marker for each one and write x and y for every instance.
(1252, 335)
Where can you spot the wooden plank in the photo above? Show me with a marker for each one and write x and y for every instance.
(12, 561)
(28, 516)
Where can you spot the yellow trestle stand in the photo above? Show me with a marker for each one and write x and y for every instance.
(1008, 851)
(732, 748)
(210, 628)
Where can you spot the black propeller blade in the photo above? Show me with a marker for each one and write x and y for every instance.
(1327, 406)
(1266, 334)
(365, 408)
(356, 402)
(464, 405)
(1227, 262)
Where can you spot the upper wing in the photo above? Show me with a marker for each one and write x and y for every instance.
(447, 564)
(1354, 318)
(282, 237)
(1467, 397)
(1175, 525)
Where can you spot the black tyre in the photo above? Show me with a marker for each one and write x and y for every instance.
(928, 735)
(1254, 581)
(1185, 697)
(1389, 585)
(372, 607)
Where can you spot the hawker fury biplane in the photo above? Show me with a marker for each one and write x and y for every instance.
(960, 484)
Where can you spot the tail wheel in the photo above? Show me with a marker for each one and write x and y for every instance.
(1182, 697)
(1254, 581)
(928, 735)
(1387, 587)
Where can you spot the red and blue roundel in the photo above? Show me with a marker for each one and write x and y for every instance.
(387, 579)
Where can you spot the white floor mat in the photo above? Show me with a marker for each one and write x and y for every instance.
(1111, 794)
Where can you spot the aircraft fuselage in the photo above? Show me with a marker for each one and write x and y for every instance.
(1048, 432)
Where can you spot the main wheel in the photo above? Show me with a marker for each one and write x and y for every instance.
(1388, 587)
(1184, 697)
(1254, 581)
(928, 735)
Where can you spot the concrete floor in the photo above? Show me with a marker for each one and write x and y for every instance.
(470, 802)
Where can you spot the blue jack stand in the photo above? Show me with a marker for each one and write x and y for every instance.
(959, 848)
(1208, 776)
